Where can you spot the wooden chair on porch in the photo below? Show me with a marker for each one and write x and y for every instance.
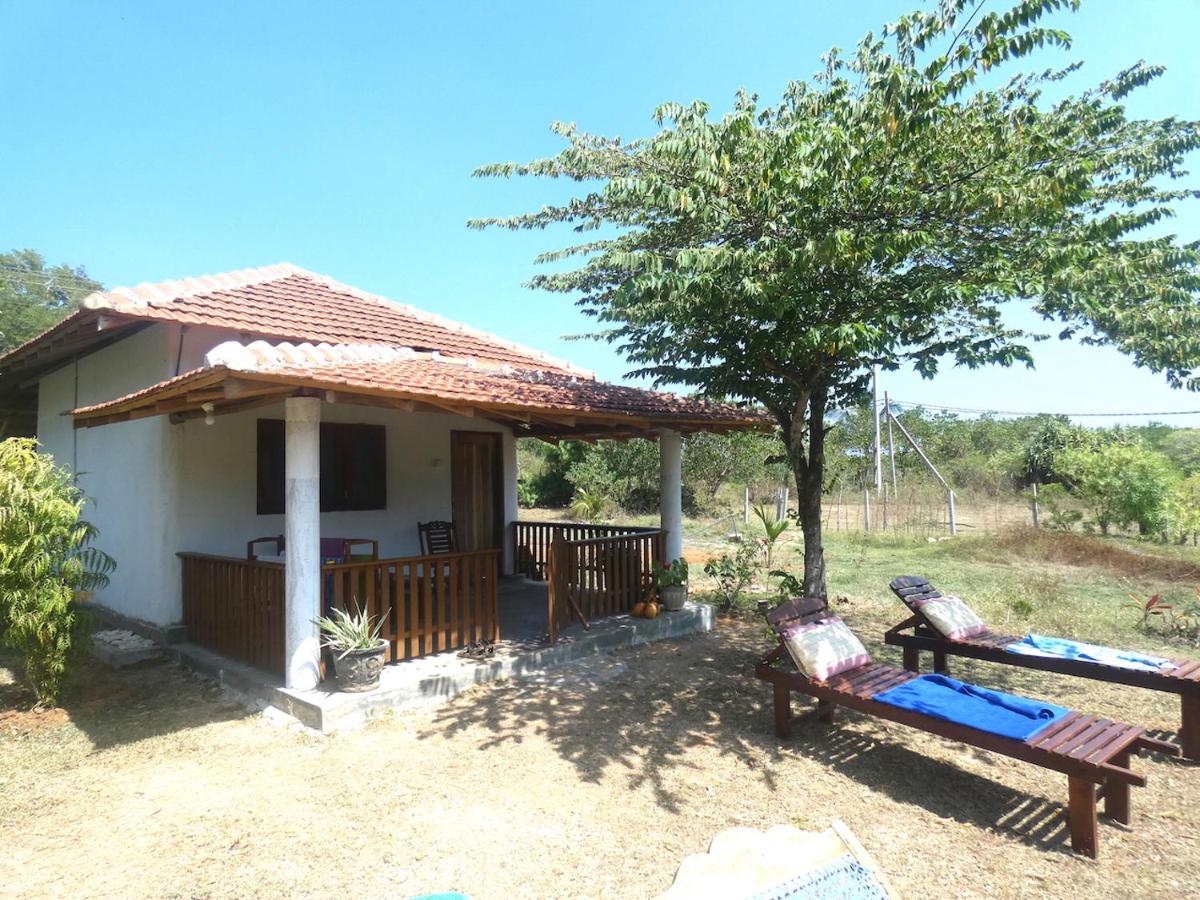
(333, 550)
(437, 537)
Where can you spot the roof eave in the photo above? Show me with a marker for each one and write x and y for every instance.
(220, 390)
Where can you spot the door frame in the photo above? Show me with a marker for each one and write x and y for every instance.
(497, 438)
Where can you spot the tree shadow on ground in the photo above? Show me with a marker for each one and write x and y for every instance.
(114, 707)
(935, 785)
(700, 693)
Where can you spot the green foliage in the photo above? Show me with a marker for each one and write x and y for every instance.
(880, 212)
(1185, 619)
(33, 297)
(543, 471)
(733, 573)
(1054, 435)
(1182, 447)
(1122, 485)
(344, 632)
(1059, 514)
(742, 457)
(1183, 509)
(773, 529)
(624, 472)
(46, 559)
(789, 586)
(671, 575)
(589, 506)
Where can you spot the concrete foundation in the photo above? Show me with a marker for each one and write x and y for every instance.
(435, 679)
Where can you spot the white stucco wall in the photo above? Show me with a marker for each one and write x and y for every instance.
(218, 479)
(160, 488)
(128, 470)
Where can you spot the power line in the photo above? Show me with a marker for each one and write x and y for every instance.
(44, 276)
(1074, 415)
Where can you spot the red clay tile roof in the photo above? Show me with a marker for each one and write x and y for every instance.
(383, 372)
(286, 302)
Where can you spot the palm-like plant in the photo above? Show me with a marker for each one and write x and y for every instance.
(47, 560)
(588, 505)
(772, 528)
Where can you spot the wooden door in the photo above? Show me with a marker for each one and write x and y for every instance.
(477, 489)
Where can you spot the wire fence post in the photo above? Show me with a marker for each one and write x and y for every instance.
(1037, 513)
(953, 522)
(866, 509)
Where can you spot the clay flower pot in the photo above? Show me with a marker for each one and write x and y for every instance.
(358, 671)
(674, 596)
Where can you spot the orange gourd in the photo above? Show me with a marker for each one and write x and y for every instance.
(639, 609)
(651, 610)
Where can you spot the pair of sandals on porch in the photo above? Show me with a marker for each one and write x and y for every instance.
(832, 666)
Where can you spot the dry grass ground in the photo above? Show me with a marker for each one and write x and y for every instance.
(154, 785)
(593, 783)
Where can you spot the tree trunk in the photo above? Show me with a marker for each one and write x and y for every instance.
(805, 437)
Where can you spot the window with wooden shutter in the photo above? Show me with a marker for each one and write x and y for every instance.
(353, 467)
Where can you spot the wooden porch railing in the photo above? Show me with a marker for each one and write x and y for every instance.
(432, 603)
(429, 603)
(532, 542)
(600, 576)
(235, 607)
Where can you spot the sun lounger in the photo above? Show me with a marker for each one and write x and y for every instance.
(1093, 752)
(782, 862)
(917, 633)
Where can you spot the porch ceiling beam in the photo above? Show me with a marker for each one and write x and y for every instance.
(456, 409)
(236, 388)
(205, 396)
(229, 408)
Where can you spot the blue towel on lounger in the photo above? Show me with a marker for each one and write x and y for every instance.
(966, 704)
(1060, 648)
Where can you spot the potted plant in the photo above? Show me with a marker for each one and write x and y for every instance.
(357, 648)
(671, 581)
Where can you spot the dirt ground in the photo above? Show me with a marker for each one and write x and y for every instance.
(593, 783)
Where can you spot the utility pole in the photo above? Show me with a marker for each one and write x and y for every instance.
(878, 455)
(887, 405)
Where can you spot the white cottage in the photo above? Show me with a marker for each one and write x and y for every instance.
(264, 444)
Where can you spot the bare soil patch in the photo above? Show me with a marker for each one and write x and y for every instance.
(576, 785)
(1081, 550)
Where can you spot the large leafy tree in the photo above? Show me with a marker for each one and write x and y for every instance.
(880, 212)
(34, 296)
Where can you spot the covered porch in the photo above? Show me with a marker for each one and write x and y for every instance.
(261, 611)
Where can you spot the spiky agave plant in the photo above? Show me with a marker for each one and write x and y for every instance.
(343, 632)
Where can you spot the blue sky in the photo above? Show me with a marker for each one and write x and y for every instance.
(149, 141)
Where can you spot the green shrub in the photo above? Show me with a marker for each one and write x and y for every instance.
(46, 560)
(1183, 509)
(733, 573)
(1122, 484)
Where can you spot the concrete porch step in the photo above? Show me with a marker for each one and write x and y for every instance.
(436, 679)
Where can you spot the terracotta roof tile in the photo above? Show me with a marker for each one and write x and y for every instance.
(382, 371)
(289, 303)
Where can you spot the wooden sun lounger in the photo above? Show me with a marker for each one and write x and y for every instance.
(916, 633)
(1093, 753)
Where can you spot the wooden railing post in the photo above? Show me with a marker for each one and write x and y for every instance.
(557, 580)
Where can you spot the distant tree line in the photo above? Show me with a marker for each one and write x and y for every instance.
(1141, 477)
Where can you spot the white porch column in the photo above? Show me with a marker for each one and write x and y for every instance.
(302, 540)
(670, 486)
